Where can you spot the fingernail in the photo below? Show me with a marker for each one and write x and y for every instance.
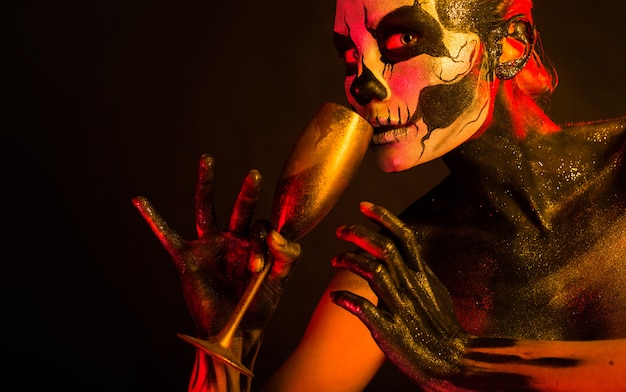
(366, 205)
(256, 263)
(341, 231)
(278, 239)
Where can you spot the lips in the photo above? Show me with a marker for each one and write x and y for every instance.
(396, 134)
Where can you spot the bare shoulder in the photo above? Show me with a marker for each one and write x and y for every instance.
(600, 131)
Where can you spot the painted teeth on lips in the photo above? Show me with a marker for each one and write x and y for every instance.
(384, 135)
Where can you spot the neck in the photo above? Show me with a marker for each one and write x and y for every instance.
(498, 162)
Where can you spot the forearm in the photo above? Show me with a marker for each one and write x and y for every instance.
(493, 364)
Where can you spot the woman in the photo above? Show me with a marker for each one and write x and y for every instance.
(507, 275)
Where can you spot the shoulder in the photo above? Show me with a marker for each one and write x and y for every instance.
(590, 145)
(611, 133)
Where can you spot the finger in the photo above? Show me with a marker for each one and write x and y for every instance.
(375, 319)
(256, 261)
(376, 244)
(410, 270)
(387, 220)
(422, 278)
(387, 294)
(258, 247)
(370, 241)
(284, 254)
(168, 236)
(243, 210)
(382, 217)
(396, 300)
(205, 215)
(375, 274)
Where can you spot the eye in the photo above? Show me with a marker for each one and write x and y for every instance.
(347, 51)
(351, 56)
(401, 40)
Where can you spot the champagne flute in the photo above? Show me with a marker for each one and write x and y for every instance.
(319, 168)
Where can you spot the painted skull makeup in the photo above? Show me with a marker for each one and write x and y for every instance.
(422, 86)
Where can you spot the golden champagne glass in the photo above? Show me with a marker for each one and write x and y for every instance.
(322, 162)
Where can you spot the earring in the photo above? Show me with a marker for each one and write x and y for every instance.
(524, 32)
(505, 71)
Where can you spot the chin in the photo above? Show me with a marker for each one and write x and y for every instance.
(396, 157)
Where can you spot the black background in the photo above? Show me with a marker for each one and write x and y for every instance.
(106, 100)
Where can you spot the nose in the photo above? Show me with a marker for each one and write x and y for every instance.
(366, 87)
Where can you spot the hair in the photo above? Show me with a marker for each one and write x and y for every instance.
(489, 19)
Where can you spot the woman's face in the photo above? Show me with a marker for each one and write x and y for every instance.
(420, 85)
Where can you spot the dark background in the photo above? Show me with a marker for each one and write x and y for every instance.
(106, 100)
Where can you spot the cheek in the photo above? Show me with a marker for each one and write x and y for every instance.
(407, 79)
(453, 68)
(442, 105)
(347, 82)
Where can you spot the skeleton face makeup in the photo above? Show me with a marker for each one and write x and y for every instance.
(422, 86)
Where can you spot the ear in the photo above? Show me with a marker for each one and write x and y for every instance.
(517, 46)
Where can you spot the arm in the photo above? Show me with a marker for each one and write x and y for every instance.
(418, 330)
(337, 352)
(215, 268)
(545, 365)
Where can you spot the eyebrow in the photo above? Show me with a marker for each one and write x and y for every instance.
(417, 19)
(412, 17)
(408, 16)
(342, 42)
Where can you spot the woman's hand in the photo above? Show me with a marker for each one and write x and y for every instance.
(414, 324)
(214, 268)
